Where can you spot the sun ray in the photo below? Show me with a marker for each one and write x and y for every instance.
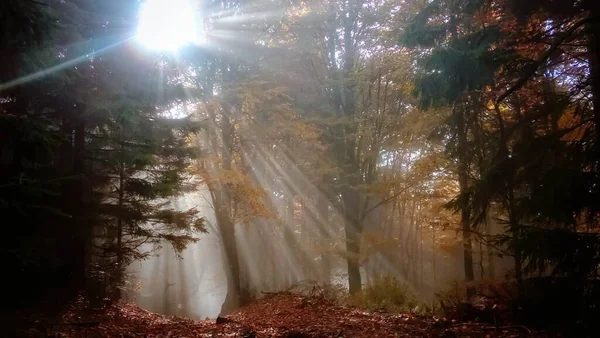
(168, 25)
(61, 66)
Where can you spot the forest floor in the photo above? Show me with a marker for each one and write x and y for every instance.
(281, 315)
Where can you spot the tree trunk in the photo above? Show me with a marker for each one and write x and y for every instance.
(227, 226)
(220, 196)
(322, 224)
(353, 230)
(289, 242)
(227, 229)
(516, 233)
(409, 243)
(421, 263)
(119, 275)
(80, 233)
(593, 34)
(234, 294)
(465, 212)
(490, 250)
(433, 252)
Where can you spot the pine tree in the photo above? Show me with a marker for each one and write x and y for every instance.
(32, 183)
(535, 135)
(142, 159)
(73, 125)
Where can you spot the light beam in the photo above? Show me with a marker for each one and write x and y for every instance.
(167, 24)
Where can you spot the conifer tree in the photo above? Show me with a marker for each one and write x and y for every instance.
(512, 68)
(141, 156)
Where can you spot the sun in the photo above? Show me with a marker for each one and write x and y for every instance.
(167, 24)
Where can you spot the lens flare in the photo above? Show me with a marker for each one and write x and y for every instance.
(167, 24)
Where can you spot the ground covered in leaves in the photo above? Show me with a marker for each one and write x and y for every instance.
(281, 315)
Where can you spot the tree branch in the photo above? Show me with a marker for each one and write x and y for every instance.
(385, 201)
(532, 69)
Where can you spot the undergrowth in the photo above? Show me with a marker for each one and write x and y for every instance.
(388, 294)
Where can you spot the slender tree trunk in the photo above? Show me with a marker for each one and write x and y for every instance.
(80, 233)
(401, 221)
(481, 267)
(64, 160)
(405, 235)
(322, 224)
(390, 221)
(490, 250)
(516, 233)
(119, 275)
(353, 230)
(421, 263)
(510, 201)
(410, 241)
(289, 241)
(593, 34)
(433, 251)
(415, 246)
(465, 212)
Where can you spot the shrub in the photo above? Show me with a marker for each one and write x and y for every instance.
(386, 294)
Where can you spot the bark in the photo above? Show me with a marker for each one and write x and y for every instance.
(516, 233)
(433, 252)
(510, 201)
(223, 210)
(490, 250)
(344, 103)
(218, 190)
(410, 242)
(77, 203)
(78, 153)
(332, 38)
(80, 192)
(349, 55)
(421, 263)
(465, 212)
(226, 227)
(322, 223)
(289, 241)
(353, 230)
(119, 275)
(593, 34)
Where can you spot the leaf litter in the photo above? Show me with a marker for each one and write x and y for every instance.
(279, 315)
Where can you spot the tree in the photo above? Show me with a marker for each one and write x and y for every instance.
(66, 112)
(141, 156)
(35, 181)
(351, 129)
(534, 157)
(460, 65)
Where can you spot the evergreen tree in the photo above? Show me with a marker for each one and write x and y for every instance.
(139, 157)
(81, 116)
(532, 116)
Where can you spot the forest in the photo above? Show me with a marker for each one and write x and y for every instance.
(300, 168)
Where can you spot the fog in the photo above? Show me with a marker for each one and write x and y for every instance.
(190, 283)
(280, 256)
